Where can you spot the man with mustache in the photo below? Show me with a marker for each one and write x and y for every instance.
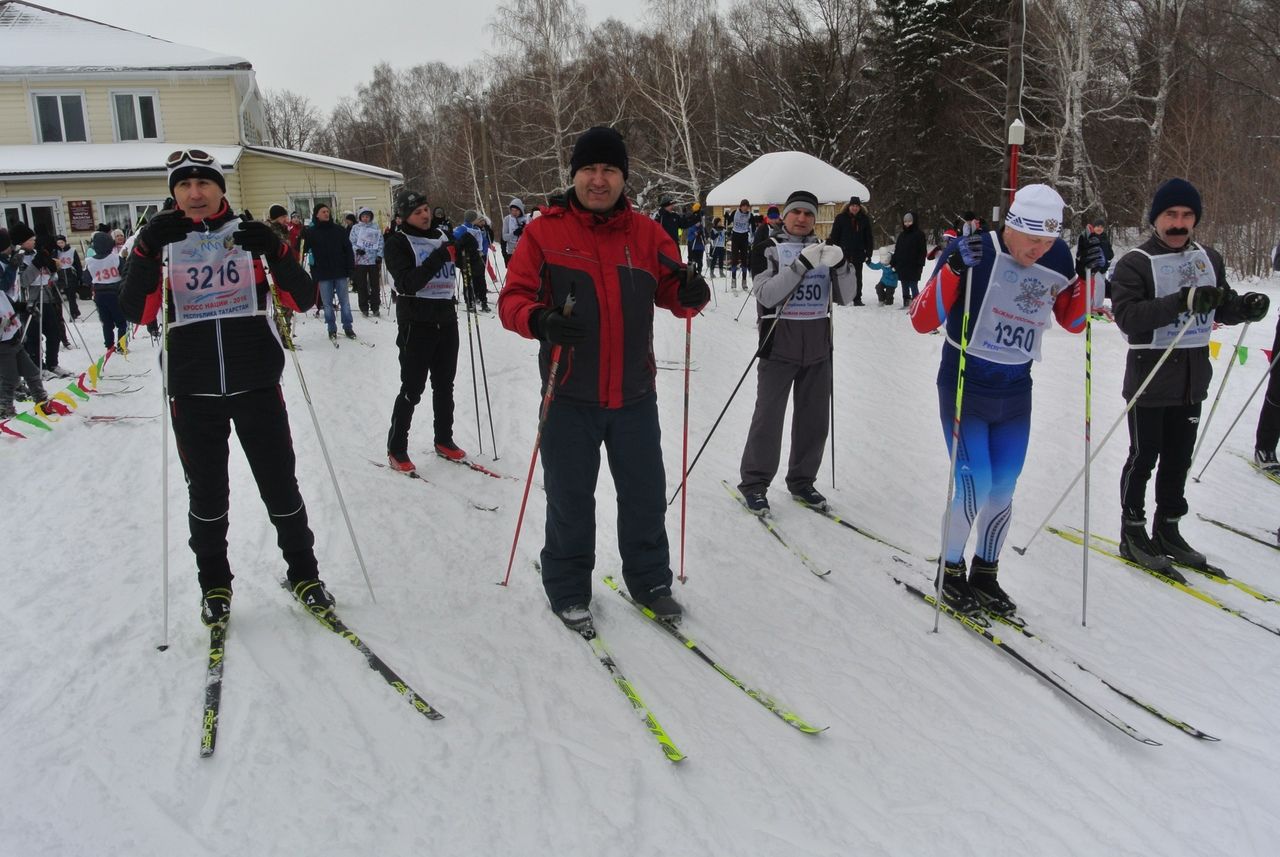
(1154, 289)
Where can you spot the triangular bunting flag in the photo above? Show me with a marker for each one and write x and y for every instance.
(62, 396)
(1214, 348)
(4, 429)
(74, 389)
(80, 380)
(1267, 352)
(32, 419)
(1242, 354)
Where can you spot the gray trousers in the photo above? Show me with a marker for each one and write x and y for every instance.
(15, 364)
(810, 390)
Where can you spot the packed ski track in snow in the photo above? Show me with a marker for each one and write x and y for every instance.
(936, 744)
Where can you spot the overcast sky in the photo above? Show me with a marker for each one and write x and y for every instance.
(324, 48)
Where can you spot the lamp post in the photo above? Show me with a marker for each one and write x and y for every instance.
(1017, 136)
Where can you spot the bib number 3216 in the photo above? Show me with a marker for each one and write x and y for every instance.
(209, 276)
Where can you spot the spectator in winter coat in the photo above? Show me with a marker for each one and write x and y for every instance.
(1018, 281)
(475, 290)
(1095, 232)
(673, 221)
(366, 245)
(769, 227)
(851, 232)
(697, 246)
(332, 264)
(295, 235)
(586, 280)
(1167, 294)
(278, 220)
(420, 260)
(908, 257)
(1268, 435)
(512, 228)
(797, 278)
(223, 362)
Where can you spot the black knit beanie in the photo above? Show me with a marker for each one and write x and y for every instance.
(20, 232)
(276, 211)
(1174, 192)
(408, 201)
(599, 145)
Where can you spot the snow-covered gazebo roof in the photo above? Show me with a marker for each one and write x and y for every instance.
(39, 40)
(773, 177)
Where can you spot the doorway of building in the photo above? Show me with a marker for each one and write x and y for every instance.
(40, 215)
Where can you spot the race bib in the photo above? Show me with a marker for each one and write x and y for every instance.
(1172, 271)
(211, 278)
(439, 287)
(1015, 312)
(104, 271)
(812, 298)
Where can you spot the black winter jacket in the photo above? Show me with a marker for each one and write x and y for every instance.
(853, 235)
(409, 276)
(331, 255)
(909, 252)
(219, 357)
(1184, 377)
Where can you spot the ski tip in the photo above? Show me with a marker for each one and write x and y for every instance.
(1022, 551)
(163, 647)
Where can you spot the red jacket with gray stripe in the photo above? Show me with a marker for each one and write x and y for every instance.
(617, 269)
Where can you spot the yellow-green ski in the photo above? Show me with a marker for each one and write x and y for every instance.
(669, 749)
(772, 705)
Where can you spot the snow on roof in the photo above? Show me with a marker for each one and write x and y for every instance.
(38, 40)
(771, 178)
(46, 159)
(325, 160)
(55, 158)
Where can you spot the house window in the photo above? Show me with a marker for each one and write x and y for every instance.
(127, 215)
(60, 118)
(304, 204)
(136, 116)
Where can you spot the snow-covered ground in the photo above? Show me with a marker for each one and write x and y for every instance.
(937, 744)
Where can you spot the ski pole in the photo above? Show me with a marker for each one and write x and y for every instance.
(1231, 364)
(744, 305)
(754, 357)
(684, 450)
(315, 422)
(955, 444)
(1088, 439)
(1275, 359)
(1191, 316)
(484, 377)
(471, 349)
(831, 396)
(164, 449)
(552, 370)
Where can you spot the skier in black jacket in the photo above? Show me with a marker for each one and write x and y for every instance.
(1153, 290)
(224, 359)
(420, 259)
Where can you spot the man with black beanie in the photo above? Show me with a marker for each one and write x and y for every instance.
(796, 279)
(851, 232)
(420, 260)
(594, 306)
(1168, 293)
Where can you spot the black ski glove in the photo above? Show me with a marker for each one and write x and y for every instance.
(260, 239)
(1205, 299)
(1095, 257)
(167, 227)
(694, 291)
(967, 253)
(1255, 306)
(552, 325)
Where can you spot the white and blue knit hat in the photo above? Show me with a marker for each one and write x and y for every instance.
(1036, 210)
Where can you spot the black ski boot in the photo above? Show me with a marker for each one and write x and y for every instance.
(810, 497)
(982, 580)
(1168, 539)
(956, 592)
(312, 595)
(215, 607)
(1136, 546)
(577, 618)
(663, 607)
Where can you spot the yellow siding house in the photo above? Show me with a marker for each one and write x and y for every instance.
(84, 132)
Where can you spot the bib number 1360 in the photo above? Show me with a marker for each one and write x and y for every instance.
(1015, 336)
(207, 276)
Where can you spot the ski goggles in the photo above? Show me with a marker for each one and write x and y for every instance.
(194, 156)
